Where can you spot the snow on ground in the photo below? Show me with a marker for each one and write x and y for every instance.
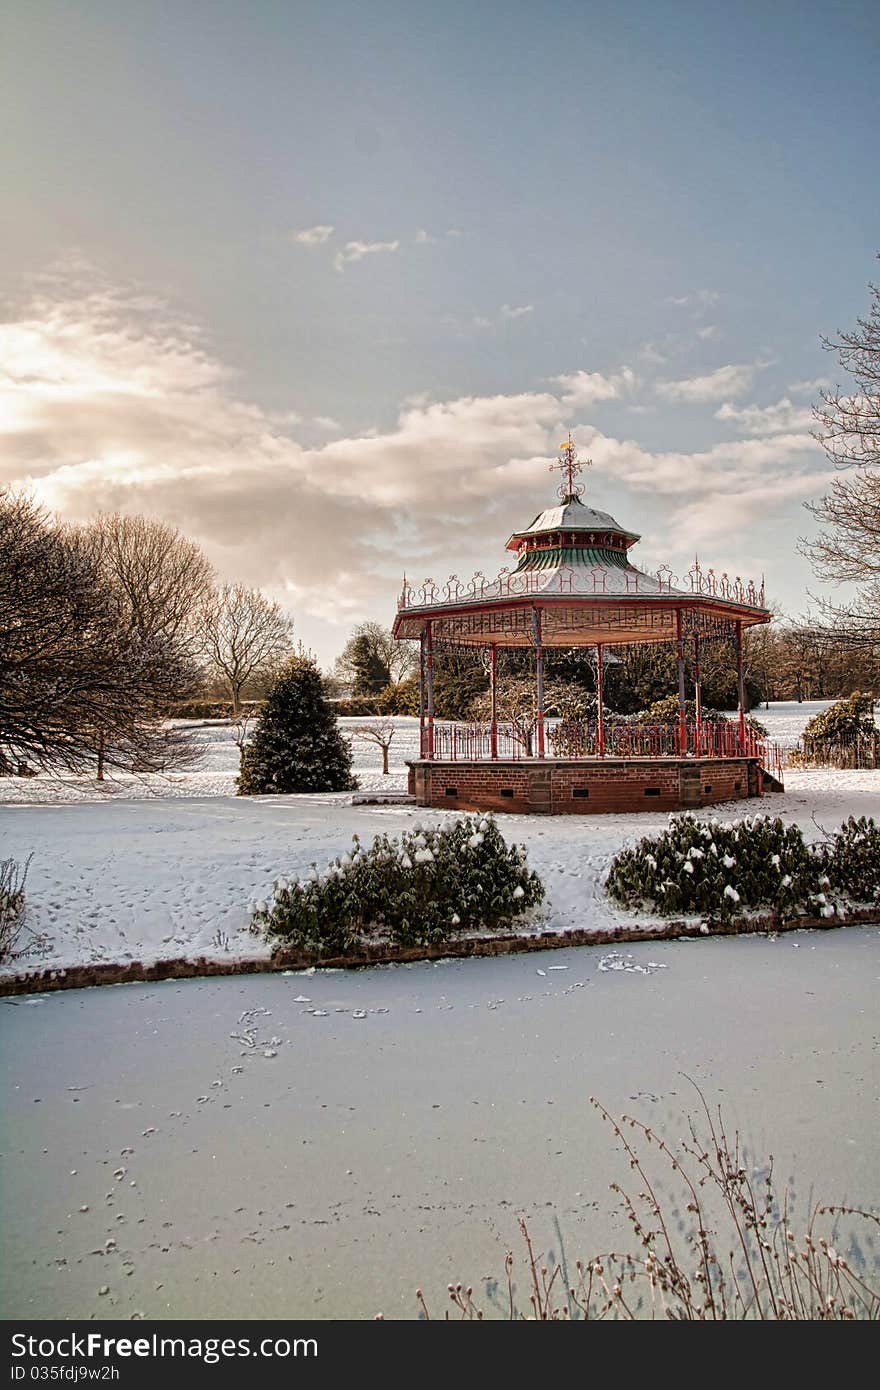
(149, 868)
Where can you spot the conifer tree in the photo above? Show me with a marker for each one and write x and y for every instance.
(297, 745)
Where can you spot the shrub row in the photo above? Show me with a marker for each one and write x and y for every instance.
(720, 869)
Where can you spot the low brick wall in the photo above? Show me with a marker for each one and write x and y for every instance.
(381, 953)
(587, 786)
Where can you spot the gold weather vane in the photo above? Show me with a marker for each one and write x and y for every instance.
(570, 465)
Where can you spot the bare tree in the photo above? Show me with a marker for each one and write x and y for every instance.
(517, 704)
(246, 635)
(380, 732)
(848, 428)
(77, 685)
(163, 579)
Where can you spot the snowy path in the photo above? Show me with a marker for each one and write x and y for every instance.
(387, 1126)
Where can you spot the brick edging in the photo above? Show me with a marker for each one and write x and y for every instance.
(135, 972)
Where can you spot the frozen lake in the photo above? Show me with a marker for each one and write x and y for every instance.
(149, 1152)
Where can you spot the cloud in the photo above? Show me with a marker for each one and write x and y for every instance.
(314, 236)
(810, 388)
(729, 381)
(710, 331)
(424, 238)
(326, 422)
(108, 401)
(588, 388)
(696, 299)
(356, 251)
(769, 419)
(517, 312)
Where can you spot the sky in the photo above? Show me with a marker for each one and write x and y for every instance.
(325, 284)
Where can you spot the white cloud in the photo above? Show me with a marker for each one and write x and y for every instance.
(356, 251)
(769, 419)
(453, 232)
(516, 312)
(698, 299)
(107, 402)
(588, 388)
(314, 236)
(710, 331)
(810, 388)
(326, 422)
(730, 381)
(424, 238)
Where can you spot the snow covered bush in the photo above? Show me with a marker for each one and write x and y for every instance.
(852, 860)
(844, 735)
(720, 869)
(12, 881)
(296, 745)
(426, 886)
(665, 711)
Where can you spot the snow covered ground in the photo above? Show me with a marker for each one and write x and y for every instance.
(155, 867)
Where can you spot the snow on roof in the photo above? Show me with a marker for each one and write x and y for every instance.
(573, 515)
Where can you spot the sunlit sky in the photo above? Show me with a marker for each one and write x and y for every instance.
(325, 284)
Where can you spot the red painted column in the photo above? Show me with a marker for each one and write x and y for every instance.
(422, 694)
(539, 672)
(600, 703)
(698, 694)
(429, 680)
(493, 670)
(682, 711)
(740, 686)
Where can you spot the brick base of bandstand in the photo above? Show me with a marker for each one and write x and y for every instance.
(587, 786)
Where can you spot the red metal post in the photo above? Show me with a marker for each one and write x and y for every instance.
(698, 696)
(600, 704)
(539, 671)
(740, 686)
(682, 711)
(493, 656)
(429, 674)
(422, 694)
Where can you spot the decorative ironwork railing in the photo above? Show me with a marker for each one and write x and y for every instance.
(512, 584)
(478, 742)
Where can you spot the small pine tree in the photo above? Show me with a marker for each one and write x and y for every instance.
(296, 745)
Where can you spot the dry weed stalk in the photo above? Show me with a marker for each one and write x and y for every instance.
(737, 1259)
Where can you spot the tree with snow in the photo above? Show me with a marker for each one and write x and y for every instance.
(296, 745)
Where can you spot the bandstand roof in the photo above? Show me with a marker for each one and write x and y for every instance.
(574, 577)
(571, 514)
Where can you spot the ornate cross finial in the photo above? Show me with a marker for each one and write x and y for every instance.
(570, 467)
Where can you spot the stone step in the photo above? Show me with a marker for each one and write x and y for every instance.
(382, 799)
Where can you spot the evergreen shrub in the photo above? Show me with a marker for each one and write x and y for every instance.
(427, 886)
(297, 745)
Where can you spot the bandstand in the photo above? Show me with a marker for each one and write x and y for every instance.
(574, 586)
